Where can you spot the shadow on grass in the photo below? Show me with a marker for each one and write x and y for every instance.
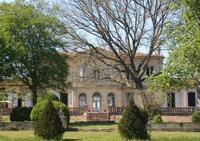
(71, 139)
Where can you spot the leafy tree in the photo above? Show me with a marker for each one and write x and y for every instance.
(48, 125)
(182, 69)
(34, 35)
(6, 56)
(133, 124)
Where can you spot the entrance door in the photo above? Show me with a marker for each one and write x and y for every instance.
(191, 99)
(64, 98)
(19, 102)
(96, 102)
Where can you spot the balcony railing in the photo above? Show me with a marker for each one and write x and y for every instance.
(116, 110)
(78, 110)
(178, 110)
(5, 111)
(119, 110)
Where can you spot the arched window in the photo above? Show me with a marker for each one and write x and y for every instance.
(111, 100)
(82, 100)
(96, 102)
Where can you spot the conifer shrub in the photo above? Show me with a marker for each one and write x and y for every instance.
(196, 117)
(48, 125)
(38, 108)
(133, 124)
(20, 114)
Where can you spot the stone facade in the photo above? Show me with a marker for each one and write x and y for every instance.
(89, 88)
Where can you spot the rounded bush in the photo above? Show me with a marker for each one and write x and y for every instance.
(133, 124)
(48, 125)
(38, 108)
(157, 118)
(20, 114)
(196, 117)
(47, 96)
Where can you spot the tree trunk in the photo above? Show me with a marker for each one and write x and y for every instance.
(138, 84)
(34, 95)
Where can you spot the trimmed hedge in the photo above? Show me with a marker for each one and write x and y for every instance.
(196, 117)
(38, 108)
(20, 114)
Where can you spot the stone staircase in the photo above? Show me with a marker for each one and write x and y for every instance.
(96, 116)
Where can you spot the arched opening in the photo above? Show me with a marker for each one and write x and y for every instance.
(111, 100)
(191, 99)
(96, 102)
(82, 100)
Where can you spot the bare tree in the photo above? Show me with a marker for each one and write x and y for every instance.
(115, 31)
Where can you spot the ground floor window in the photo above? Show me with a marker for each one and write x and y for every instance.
(96, 102)
(82, 100)
(191, 99)
(129, 97)
(111, 100)
(171, 99)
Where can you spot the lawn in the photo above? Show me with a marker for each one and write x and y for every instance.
(99, 136)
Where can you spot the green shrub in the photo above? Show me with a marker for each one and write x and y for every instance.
(20, 114)
(133, 124)
(196, 117)
(157, 118)
(47, 96)
(48, 125)
(37, 109)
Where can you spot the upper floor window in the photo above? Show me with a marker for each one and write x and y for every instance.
(82, 71)
(96, 74)
(149, 70)
(69, 74)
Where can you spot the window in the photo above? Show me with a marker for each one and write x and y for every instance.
(191, 99)
(171, 99)
(96, 74)
(69, 73)
(130, 96)
(111, 100)
(96, 102)
(149, 70)
(82, 100)
(81, 72)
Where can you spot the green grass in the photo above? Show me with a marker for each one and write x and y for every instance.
(99, 136)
